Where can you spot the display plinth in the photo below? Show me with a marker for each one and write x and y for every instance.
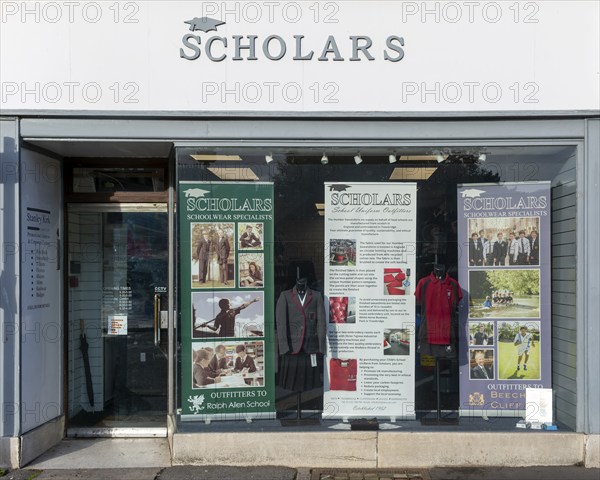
(299, 422)
(437, 419)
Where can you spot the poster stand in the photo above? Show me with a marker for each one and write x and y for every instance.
(438, 419)
(508, 295)
(299, 421)
(370, 265)
(210, 235)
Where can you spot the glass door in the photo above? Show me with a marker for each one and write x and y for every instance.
(117, 319)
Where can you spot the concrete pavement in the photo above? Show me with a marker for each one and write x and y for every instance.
(284, 473)
(529, 473)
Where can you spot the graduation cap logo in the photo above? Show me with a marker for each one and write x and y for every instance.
(204, 24)
(195, 193)
(340, 187)
(472, 193)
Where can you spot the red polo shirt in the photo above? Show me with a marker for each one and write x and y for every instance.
(438, 301)
(342, 374)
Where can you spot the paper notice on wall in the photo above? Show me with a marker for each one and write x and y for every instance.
(117, 325)
(370, 243)
(538, 405)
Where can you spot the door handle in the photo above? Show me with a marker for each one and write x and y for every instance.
(156, 319)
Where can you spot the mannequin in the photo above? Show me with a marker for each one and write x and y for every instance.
(439, 296)
(301, 286)
(301, 335)
(439, 271)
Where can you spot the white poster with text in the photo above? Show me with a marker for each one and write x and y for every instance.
(370, 244)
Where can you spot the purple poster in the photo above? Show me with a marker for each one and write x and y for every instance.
(504, 267)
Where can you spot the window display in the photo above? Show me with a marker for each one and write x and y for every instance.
(346, 248)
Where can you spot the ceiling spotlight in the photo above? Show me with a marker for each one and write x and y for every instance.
(269, 158)
(358, 159)
(482, 157)
(324, 160)
(440, 158)
(393, 158)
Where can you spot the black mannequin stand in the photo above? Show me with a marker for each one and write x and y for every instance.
(439, 271)
(299, 421)
(438, 419)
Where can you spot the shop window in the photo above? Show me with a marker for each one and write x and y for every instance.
(300, 246)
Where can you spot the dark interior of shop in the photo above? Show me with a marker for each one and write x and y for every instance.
(299, 177)
(299, 223)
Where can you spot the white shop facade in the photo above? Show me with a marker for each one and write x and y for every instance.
(344, 150)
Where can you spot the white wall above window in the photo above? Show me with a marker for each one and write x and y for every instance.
(367, 56)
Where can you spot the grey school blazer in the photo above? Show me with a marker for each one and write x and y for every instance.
(300, 328)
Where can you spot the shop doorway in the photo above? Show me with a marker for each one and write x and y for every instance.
(117, 362)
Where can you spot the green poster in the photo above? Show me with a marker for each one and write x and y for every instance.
(226, 285)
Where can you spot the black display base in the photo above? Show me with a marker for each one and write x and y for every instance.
(299, 422)
(438, 418)
(435, 420)
(364, 424)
